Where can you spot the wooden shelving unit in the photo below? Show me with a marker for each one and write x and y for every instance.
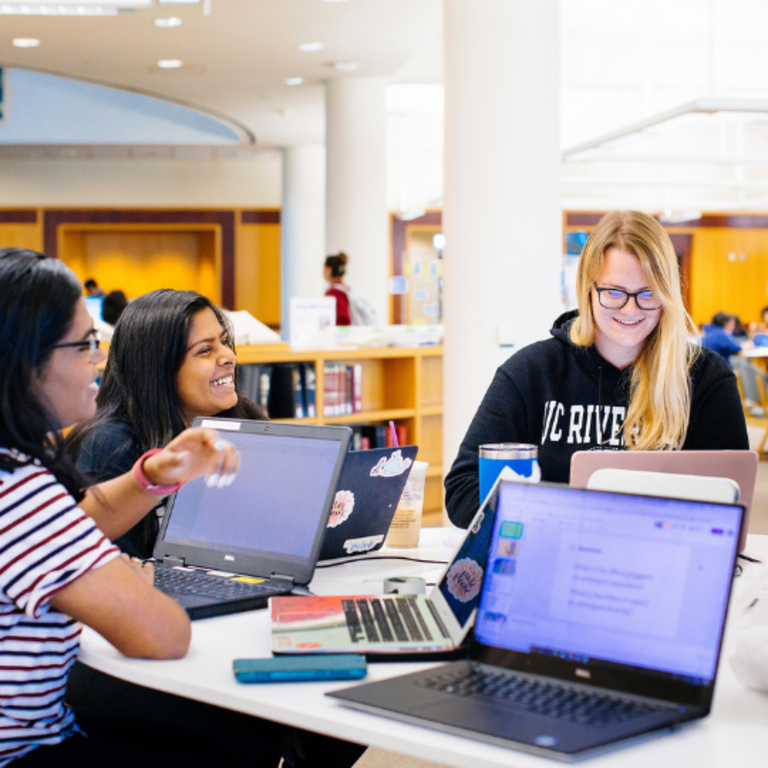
(401, 384)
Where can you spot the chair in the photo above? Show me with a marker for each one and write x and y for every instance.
(749, 379)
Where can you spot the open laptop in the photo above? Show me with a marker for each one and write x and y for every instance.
(381, 625)
(600, 619)
(739, 466)
(369, 488)
(227, 550)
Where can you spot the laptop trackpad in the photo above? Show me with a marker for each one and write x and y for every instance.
(501, 723)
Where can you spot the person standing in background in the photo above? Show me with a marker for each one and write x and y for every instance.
(334, 270)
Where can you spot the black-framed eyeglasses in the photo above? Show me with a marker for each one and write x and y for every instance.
(88, 344)
(616, 298)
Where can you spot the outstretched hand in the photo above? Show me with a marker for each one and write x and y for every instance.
(197, 451)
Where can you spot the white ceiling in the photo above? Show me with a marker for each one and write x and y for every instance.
(236, 58)
(622, 60)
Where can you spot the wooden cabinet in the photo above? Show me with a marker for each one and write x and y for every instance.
(404, 385)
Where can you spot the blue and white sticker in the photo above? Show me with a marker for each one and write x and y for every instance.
(391, 467)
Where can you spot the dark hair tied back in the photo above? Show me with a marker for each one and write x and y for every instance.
(337, 264)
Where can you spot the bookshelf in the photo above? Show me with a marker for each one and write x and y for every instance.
(402, 384)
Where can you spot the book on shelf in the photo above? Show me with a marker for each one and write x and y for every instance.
(255, 381)
(309, 383)
(343, 389)
(283, 390)
(377, 436)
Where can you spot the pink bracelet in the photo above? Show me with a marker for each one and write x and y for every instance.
(145, 483)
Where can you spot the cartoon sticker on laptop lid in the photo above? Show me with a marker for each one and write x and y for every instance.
(367, 493)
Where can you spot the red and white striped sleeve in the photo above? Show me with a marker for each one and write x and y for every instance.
(46, 540)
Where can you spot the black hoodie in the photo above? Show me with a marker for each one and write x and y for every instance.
(566, 398)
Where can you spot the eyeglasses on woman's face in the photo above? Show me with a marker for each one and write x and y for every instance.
(90, 343)
(616, 298)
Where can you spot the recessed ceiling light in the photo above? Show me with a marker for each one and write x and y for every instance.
(293, 80)
(345, 66)
(173, 21)
(170, 63)
(26, 42)
(309, 47)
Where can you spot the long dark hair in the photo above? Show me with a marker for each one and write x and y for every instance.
(146, 352)
(38, 297)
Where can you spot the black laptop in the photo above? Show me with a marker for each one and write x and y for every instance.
(369, 488)
(601, 618)
(227, 550)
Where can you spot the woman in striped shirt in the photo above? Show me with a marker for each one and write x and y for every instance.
(58, 567)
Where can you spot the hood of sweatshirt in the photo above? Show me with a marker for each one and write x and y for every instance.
(588, 358)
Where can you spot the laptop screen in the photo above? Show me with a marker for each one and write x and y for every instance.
(273, 506)
(609, 578)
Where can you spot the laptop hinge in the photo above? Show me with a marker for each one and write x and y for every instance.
(283, 579)
(173, 560)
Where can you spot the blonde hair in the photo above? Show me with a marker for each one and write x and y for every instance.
(660, 388)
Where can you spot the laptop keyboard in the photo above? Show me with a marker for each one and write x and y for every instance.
(540, 698)
(387, 620)
(202, 584)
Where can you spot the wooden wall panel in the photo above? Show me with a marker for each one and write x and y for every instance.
(21, 229)
(738, 284)
(21, 236)
(257, 267)
(141, 261)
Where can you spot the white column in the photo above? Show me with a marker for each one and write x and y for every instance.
(502, 216)
(356, 213)
(302, 227)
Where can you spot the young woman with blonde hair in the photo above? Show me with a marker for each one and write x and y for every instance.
(620, 373)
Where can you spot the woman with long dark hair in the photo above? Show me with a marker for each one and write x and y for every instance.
(57, 564)
(172, 358)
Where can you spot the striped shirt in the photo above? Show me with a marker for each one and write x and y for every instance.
(46, 543)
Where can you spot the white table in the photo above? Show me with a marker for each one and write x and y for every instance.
(736, 733)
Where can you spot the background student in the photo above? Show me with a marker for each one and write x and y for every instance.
(334, 269)
(619, 373)
(718, 336)
(57, 565)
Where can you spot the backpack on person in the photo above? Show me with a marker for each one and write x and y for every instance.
(361, 311)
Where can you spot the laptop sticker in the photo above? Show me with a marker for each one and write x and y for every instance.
(465, 578)
(392, 467)
(354, 546)
(343, 505)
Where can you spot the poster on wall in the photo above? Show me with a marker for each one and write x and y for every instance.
(574, 244)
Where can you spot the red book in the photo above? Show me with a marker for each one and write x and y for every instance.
(357, 388)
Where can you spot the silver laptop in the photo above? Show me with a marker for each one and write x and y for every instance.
(739, 466)
(381, 625)
(600, 620)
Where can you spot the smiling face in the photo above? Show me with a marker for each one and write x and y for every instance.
(205, 383)
(66, 383)
(621, 333)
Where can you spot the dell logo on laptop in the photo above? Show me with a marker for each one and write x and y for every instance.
(583, 673)
(231, 558)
